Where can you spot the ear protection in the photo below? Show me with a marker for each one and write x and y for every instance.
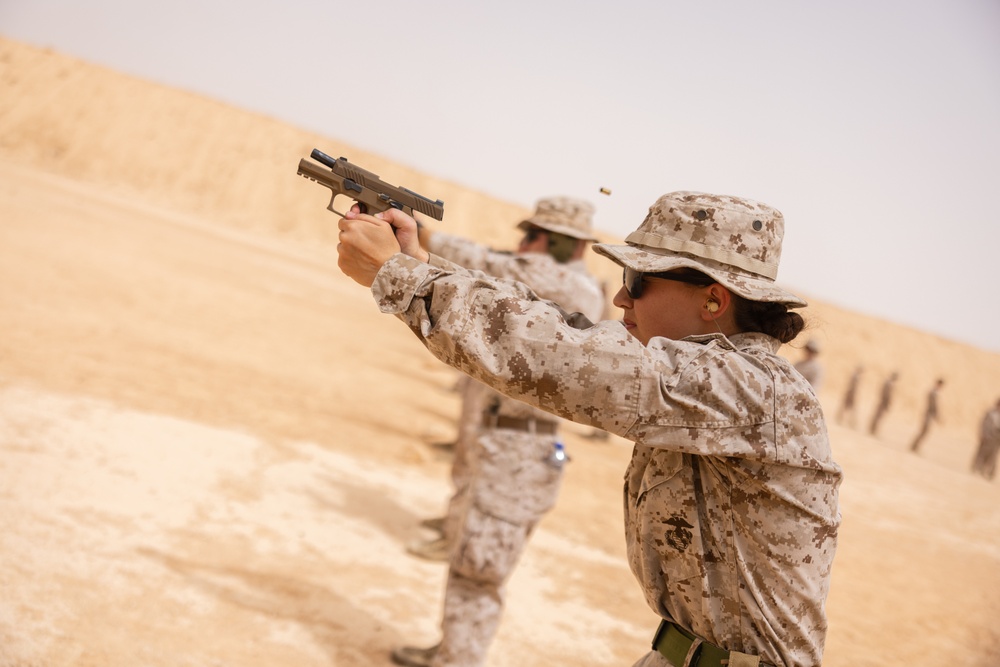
(711, 306)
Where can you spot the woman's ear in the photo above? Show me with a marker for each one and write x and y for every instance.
(718, 301)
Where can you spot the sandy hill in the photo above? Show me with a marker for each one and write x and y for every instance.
(213, 448)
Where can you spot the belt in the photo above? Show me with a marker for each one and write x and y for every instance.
(540, 426)
(684, 649)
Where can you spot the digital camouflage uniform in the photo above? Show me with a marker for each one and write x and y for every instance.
(811, 367)
(568, 283)
(470, 418)
(504, 485)
(931, 414)
(731, 495)
(847, 407)
(985, 461)
(884, 401)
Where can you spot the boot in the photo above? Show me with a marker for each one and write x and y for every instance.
(411, 656)
(437, 550)
(435, 524)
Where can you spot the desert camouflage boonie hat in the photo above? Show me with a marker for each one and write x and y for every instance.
(736, 241)
(563, 215)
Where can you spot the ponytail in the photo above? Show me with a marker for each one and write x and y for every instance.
(773, 319)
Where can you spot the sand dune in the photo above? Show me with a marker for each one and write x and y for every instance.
(213, 448)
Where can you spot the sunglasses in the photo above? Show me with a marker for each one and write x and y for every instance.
(532, 234)
(633, 280)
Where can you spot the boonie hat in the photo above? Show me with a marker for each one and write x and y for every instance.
(736, 241)
(563, 215)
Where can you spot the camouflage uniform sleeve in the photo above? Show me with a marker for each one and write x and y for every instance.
(441, 263)
(569, 285)
(504, 335)
(698, 396)
(469, 254)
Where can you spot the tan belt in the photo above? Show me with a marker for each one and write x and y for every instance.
(538, 426)
(684, 649)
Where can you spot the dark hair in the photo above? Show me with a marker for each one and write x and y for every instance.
(773, 319)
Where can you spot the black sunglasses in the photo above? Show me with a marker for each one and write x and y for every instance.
(533, 233)
(632, 280)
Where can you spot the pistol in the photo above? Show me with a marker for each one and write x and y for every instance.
(372, 194)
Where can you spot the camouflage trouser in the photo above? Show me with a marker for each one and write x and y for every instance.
(877, 417)
(924, 428)
(985, 462)
(511, 490)
(470, 420)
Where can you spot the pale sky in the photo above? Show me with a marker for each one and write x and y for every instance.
(874, 126)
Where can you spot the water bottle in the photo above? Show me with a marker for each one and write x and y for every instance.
(558, 456)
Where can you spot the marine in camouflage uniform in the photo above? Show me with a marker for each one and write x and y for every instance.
(504, 484)
(985, 461)
(931, 414)
(810, 366)
(731, 495)
(847, 407)
(470, 419)
(884, 401)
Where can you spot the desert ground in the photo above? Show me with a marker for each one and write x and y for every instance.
(214, 449)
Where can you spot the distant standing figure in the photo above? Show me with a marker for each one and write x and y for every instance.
(985, 462)
(884, 401)
(931, 414)
(850, 398)
(810, 367)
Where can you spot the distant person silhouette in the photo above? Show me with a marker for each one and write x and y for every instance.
(931, 414)
(985, 461)
(847, 407)
(810, 367)
(884, 401)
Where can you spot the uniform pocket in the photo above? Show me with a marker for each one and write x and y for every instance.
(488, 547)
(514, 481)
(662, 466)
(667, 526)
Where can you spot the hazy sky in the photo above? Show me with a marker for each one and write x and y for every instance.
(874, 126)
